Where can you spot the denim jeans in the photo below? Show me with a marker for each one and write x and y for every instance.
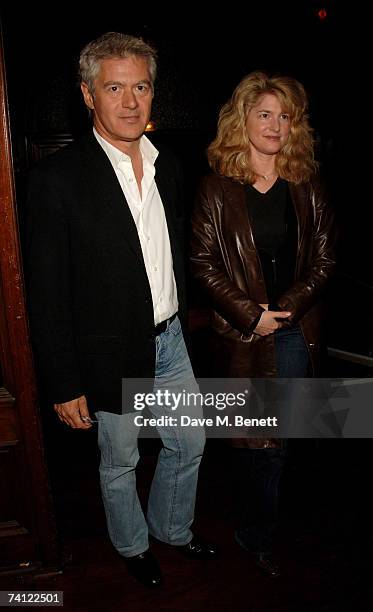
(292, 361)
(173, 490)
(257, 494)
(291, 353)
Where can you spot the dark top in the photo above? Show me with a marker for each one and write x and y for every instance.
(274, 225)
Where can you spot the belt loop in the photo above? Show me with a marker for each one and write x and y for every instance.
(164, 325)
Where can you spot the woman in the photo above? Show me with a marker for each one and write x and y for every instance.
(262, 249)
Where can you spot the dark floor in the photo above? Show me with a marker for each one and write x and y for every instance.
(323, 545)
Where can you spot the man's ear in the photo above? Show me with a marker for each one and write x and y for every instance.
(88, 98)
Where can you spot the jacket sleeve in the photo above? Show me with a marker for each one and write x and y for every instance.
(306, 291)
(48, 269)
(209, 269)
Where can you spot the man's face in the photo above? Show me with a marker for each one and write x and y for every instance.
(122, 99)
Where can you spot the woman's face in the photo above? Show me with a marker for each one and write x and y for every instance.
(267, 125)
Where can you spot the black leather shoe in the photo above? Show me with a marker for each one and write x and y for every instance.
(266, 565)
(262, 560)
(198, 549)
(145, 569)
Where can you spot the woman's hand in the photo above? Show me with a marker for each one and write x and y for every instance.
(268, 322)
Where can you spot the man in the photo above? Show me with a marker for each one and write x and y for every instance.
(106, 290)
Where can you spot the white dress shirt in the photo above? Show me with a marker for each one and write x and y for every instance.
(150, 220)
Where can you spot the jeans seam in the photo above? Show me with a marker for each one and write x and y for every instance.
(175, 489)
(106, 497)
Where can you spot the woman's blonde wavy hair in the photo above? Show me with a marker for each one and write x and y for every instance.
(229, 154)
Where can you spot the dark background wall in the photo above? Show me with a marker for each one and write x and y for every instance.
(201, 60)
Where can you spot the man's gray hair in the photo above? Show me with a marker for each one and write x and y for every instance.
(113, 45)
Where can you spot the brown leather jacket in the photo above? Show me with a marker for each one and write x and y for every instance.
(227, 266)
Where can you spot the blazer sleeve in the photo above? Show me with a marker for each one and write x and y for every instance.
(208, 267)
(306, 290)
(48, 282)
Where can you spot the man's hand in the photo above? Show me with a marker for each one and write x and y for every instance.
(73, 413)
(267, 323)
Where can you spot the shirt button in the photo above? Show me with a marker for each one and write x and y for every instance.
(155, 269)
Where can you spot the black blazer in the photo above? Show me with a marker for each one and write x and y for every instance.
(90, 304)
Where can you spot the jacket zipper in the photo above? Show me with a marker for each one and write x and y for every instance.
(274, 272)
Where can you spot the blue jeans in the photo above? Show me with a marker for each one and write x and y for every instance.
(292, 361)
(173, 490)
(257, 494)
(291, 353)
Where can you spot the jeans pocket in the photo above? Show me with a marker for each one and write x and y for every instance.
(175, 327)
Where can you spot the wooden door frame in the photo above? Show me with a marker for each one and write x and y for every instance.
(18, 397)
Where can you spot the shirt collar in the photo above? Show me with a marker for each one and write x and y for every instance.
(148, 150)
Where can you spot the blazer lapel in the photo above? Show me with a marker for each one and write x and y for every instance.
(106, 185)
